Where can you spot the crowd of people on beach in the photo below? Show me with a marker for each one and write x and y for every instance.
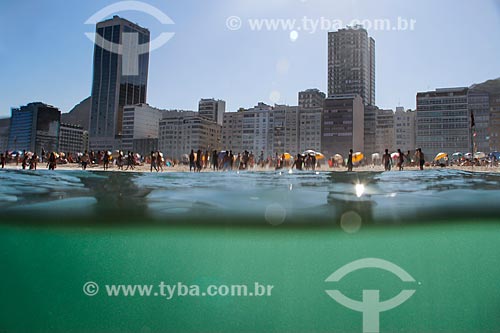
(226, 160)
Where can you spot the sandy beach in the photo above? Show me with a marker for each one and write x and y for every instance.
(185, 168)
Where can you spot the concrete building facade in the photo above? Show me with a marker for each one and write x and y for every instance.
(479, 106)
(72, 138)
(384, 131)
(310, 121)
(494, 122)
(443, 121)
(342, 125)
(180, 133)
(140, 123)
(232, 129)
(285, 129)
(370, 130)
(404, 130)
(256, 130)
(311, 99)
(351, 63)
(212, 109)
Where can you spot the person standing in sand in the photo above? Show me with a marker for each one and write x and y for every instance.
(2, 160)
(85, 160)
(401, 160)
(350, 165)
(299, 161)
(119, 160)
(386, 160)
(52, 161)
(25, 160)
(159, 161)
(33, 161)
(105, 159)
(421, 158)
(153, 162)
(192, 166)
(199, 162)
(215, 160)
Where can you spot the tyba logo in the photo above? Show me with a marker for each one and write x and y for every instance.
(130, 48)
(370, 306)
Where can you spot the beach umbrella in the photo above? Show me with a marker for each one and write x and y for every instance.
(479, 155)
(338, 158)
(357, 157)
(440, 156)
(395, 156)
(457, 155)
(375, 156)
(495, 154)
(287, 156)
(468, 156)
(319, 156)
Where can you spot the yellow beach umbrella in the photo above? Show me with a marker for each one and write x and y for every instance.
(440, 156)
(357, 157)
(319, 156)
(287, 156)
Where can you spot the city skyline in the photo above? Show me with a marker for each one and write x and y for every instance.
(285, 69)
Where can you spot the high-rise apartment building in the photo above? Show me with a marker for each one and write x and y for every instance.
(72, 139)
(140, 126)
(232, 128)
(370, 130)
(179, 133)
(121, 61)
(256, 130)
(404, 130)
(310, 129)
(34, 127)
(212, 109)
(351, 63)
(311, 99)
(342, 125)
(285, 129)
(494, 122)
(479, 106)
(384, 131)
(443, 122)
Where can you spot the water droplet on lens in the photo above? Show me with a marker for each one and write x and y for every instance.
(275, 214)
(350, 222)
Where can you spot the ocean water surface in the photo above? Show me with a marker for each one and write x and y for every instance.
(276, 198)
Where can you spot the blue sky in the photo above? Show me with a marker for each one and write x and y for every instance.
(45, 55)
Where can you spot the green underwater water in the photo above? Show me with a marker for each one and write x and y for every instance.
(144, 229)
